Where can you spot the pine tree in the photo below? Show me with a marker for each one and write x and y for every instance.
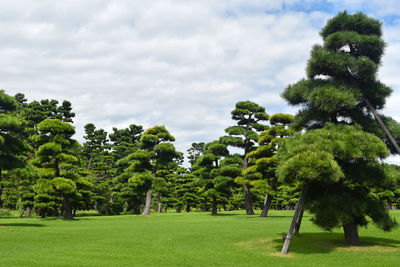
(262, 173)
(156, 153)
(54, 158)
(244, 135)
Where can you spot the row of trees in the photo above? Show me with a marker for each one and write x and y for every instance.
(44, 169)
(327, 157)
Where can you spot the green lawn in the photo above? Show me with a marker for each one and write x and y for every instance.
(194, 239)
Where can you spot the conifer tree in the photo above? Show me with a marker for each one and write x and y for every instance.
(156, 153)
(13, 145)
(339, 167)
(244, 135)
(341, 84)
(54, 158)
(262, 173)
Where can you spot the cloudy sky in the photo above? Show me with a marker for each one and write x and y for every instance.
(182, 64)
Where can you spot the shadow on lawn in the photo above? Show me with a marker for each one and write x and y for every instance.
(21, 225)
(312, 243)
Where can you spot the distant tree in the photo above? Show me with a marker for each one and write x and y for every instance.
(186, 188)
(125, 141)
(217, 171)
(262, 173)
(54, 159)
(195, 151)
(156, 153)
(244, 135)
(96, 149)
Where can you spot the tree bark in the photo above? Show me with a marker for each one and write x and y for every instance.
(159, 202)
(299, 207)
(188, 208)
(28, 211)
(298, 223)
(67, 208)
(205, 205)
(383, 126)
(351, 233)
(214, 206)
(267, 204)
(22, 213)
(248, 203)
(147, 206)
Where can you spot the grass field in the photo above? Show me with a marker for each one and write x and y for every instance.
(193, 239)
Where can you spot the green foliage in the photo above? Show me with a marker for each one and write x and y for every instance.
(340, 166)
(342, 73)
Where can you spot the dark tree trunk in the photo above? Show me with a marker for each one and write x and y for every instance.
(298, 223)
(67, 208)
(29, 211)
(42, 213)
(383, 126)
(159, 202)
(299, 207)
(74, 214)
(22, 213)
(188, 208)
(89, 163)
(147, 206)
(205, 205)
(351, 233)
(214, 206)
(135, 207)
(267, 204)
(248, 203)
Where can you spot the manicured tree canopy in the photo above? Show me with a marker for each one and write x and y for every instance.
(341, 84)
(54, 158)
(156, 153)
(262, 174)
(12, 127)
(207, 168)
(340, 166)
(244, 135)
(195, 151)
(185, 190)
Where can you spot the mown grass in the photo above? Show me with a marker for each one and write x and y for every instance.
(193, 239)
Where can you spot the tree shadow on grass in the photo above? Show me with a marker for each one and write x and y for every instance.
(21, 225)
(327, 242)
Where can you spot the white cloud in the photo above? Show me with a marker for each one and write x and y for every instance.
(183, 64)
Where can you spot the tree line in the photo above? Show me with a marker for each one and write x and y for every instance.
(326, 159)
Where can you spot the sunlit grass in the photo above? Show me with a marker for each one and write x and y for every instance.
(193, 239)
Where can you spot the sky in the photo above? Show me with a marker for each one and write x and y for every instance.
(182, 64)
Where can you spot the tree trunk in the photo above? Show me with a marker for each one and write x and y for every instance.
(248, 203)
(205, 205)
(267, 204)
(28, 211)
(214, 206)
(299, 207)
(188, 208)
(74, 213)
(298, 223)
(351, 233)
(67, 208)
(383, 126)
(147, 206)
(159, 202)
(89, 163)
(42, 213)
(22, 213)
(135, 207)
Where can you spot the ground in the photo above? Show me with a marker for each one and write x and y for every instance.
(187, 239)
